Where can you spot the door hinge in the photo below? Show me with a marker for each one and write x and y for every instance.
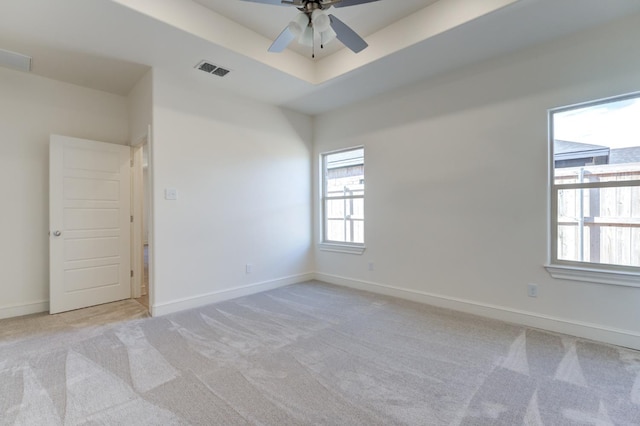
(132, 273)
(131, 219)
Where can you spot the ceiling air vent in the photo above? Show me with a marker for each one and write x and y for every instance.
(220, 72)
(209, 68)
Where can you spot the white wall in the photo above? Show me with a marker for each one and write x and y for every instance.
(456, 180)
(242, 171)
(31, 108)
(139, 104)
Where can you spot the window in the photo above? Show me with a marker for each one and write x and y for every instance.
(595, 188)
(343, 197)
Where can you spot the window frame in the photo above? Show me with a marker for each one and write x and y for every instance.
(324, 243)
(601, 273)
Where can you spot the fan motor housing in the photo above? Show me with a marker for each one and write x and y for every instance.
(310, 6)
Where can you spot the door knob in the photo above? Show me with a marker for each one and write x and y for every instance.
(57, 233)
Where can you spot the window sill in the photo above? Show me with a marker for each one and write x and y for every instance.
(342, 248)
(600, 276)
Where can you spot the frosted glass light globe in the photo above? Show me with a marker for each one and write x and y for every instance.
(320, 20)
(299, 24)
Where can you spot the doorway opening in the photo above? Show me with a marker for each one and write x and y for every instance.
(141, 202)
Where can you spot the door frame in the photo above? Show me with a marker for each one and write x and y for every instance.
(137, 219)
(138, 213)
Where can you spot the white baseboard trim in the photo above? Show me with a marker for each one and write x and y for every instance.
(619, 337)
(227, 294)
(24, 309)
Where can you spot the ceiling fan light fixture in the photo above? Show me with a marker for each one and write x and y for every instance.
(313, 23)
(299, 24)
(306, 38)
(320, 20)
(327, 36)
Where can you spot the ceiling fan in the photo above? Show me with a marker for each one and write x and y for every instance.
(313, 21)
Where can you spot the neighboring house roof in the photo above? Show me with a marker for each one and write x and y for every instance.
(566, 150)
(563, 150)
(625, 155)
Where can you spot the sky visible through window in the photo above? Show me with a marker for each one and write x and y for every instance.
(614, 124)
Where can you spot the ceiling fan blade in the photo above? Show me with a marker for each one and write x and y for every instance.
(283, 40)
(347, 36)
(345, 3)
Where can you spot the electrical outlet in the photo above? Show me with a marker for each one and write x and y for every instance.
(532, 290)
(371, 266)
(248, 268)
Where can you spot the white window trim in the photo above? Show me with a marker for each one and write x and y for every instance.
(327, 245)
(585, 272)
(342, 247)
(594, 275)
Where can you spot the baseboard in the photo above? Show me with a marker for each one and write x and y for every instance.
(24, 309)
(227, 294)
(619, 337)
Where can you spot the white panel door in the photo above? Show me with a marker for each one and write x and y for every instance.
(89, 222)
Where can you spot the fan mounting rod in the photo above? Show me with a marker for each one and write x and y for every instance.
(311, 5)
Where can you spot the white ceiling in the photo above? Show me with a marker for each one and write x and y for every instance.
(109, 44)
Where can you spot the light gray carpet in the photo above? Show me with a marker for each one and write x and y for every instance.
(316, 354)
